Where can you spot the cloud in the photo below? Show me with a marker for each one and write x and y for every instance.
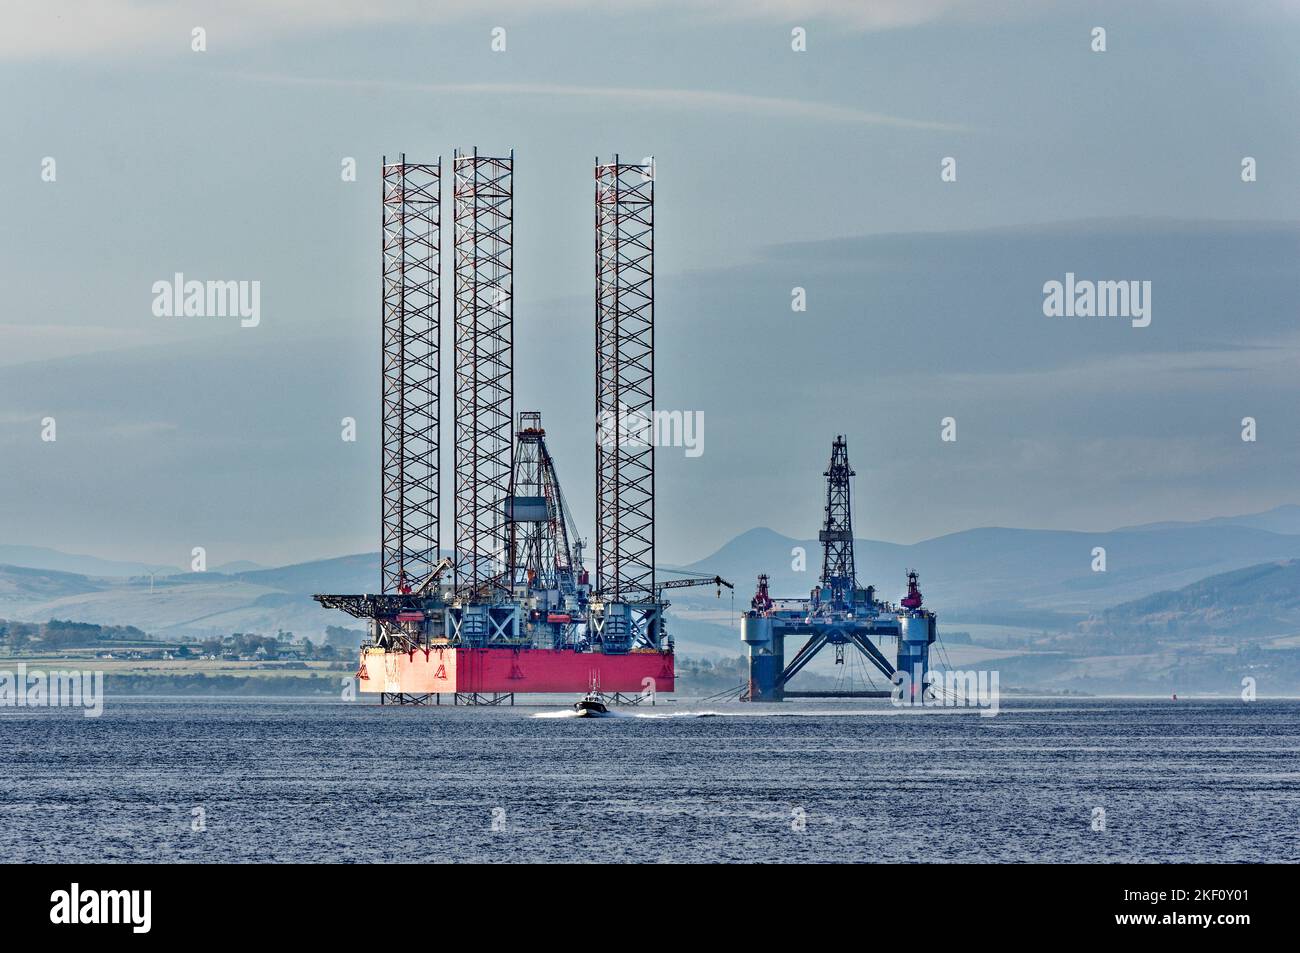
(700, 99)
(872, 14)
(37, 29)
(43, 342)
(138, 429)
(1266, 361)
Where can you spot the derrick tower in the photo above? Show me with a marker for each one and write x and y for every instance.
(545, 549)
(836, 536)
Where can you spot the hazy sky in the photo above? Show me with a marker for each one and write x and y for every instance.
(772, 167)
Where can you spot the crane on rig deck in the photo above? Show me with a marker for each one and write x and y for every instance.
(702, 581)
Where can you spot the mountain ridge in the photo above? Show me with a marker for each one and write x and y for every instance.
(995, 575)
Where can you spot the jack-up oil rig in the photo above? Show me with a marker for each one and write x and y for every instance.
(838, 613)
(513, 609)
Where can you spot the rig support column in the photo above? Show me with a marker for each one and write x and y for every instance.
(484, 371)
(766, 645)
(917, 632)
(625, 488)
(410, 456)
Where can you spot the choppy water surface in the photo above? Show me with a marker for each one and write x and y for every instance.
(289, 781)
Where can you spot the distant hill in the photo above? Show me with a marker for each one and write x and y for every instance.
(1261, 601)
(1281, 519)
(25, 583)
(239, 565)
(40, 557)
(191, 603)
(1037, 579)
(343, 574)
(188, 604)
(981, 574)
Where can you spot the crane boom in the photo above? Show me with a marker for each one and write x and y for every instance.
(444, 564)
(681, 583)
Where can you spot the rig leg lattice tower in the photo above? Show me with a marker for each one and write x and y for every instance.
(411, 454)
(484, 370)
(625, 473)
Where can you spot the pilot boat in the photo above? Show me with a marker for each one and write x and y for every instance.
(592, 703)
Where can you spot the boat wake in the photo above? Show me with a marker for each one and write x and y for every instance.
(761, 713)
(570, 713)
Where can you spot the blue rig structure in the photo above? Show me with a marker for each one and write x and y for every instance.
(838, 613)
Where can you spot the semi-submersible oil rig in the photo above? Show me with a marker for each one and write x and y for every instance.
(838, 613)
(513, 609)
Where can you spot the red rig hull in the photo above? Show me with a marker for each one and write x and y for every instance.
(445, 669)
